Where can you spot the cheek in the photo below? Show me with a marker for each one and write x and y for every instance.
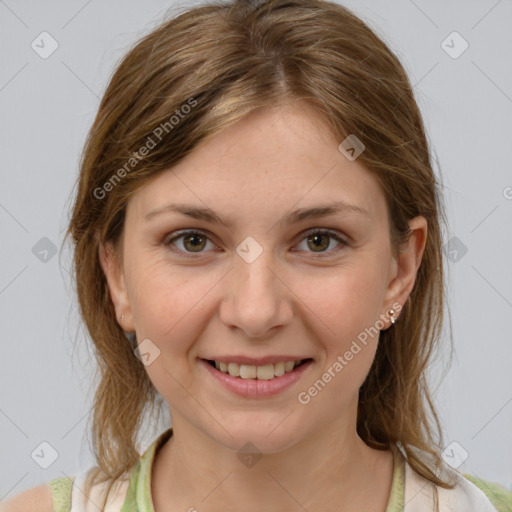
(169, 305)
(347, 301)
(169, 309)
(344, 313)
(347, 336)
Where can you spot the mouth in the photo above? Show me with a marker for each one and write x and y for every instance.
(257, 382)
(261, 372)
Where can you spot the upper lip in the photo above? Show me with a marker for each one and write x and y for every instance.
(255, 361)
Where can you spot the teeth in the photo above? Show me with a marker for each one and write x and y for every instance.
(233, 369)
(289, 365)
(248, 372)
(265, 372)
(279, 369)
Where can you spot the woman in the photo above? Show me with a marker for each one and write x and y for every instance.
(257, 213)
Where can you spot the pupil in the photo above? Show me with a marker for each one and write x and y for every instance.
(316, 237)
(194, 244)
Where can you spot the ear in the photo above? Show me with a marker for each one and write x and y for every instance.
(406, 265)
(114, 273)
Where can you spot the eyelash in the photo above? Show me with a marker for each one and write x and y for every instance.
(331, 234)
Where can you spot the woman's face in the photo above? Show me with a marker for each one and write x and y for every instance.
(262, 285)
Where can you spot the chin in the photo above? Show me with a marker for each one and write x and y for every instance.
(250, 436)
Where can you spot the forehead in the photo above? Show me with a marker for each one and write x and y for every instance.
(272, 160)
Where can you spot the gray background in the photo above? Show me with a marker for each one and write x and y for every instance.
(47, 106)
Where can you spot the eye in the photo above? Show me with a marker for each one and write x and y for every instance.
(192, 241)
(195, 241)
(319, 239)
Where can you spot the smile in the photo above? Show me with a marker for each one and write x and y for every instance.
(256, 381)
(263, 372)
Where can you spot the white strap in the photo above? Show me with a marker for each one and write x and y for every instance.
(80, 502)
(464, 497)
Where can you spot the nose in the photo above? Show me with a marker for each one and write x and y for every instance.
(256, 299)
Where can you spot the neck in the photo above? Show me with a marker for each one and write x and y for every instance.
(327, 469)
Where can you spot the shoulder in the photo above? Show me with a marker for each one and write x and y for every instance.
(467, 494)
(35, 499)
(498, 495)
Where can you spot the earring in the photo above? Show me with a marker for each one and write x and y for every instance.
(122, 317)
(391, 314)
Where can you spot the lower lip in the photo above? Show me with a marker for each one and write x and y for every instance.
(255, 388)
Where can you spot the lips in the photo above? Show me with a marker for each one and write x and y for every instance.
(254, 387)
(256, 361)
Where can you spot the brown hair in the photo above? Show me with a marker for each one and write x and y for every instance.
(224, 60)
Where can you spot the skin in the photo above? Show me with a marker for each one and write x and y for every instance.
(295, 298)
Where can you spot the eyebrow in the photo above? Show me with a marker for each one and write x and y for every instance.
(206, 214)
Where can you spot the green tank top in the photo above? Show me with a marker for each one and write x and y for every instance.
(138, 494)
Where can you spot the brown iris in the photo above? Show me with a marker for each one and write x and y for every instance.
(316, 237)
(194, 246)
